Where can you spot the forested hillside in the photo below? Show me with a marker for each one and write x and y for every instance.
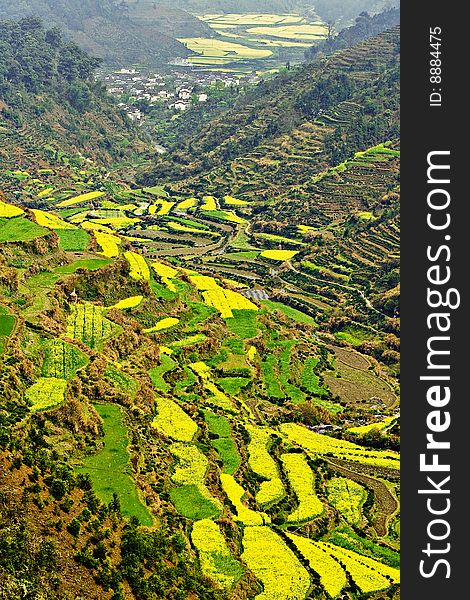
(364, 27)
(106, 28)
(50, 101)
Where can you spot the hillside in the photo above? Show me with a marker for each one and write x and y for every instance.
(108, 30)
(50, 102)
(199, 372)
(365, 26)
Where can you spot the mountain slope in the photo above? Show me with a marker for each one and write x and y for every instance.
(105, 28)
(50, 101)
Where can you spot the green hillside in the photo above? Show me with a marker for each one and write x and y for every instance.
(108, 29)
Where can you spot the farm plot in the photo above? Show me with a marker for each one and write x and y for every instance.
(369, 575)
(218, 398)
(332, 575)
(62, 360)
(302, 481)
(310, 33)
(217, 51)
(80, 199)
(166, 365)
(318, 444)
(191, 498)
(20, 229)
(138, 267)
(130, 302)
(173, 422)
(165, 323)
(166, 274)
(262, 463)
(235, 493)
(224, 443)
(358, 386)
(109, 469)
(50, 220)
(382, 425)
(73, 240)
(46, 393)
(214, 555)
(275, 565)
(87, 323)
(109, 243)
(347, 497)
(292, 313)
(7, 323)
(7, 211)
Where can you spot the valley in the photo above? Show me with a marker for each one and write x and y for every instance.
(199, 349)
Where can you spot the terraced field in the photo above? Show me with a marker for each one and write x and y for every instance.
(220, 357)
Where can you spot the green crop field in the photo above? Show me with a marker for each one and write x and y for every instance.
(73, 239)
(109, 469)
(20, 229)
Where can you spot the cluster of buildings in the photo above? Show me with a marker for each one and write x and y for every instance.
(176, 89)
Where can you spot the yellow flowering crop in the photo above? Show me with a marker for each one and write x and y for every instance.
(191, 469)
(185, 204)
(209, 203)
(279, 254)
(81, 198)
(117, 222)
(45, 192)
(138, 267)
(109, 243)
(235, 494)
(213, 552)
(316, 443)
(46, 393)
(131, 302)
(251, 353)
(173, 422)
(163, 324)
(234, 201)
(302, 481)
(275, 565)
(332, 575)
(380, 425)
(50, 220)
(347, 497)
(262, 463)
(9, 210)
(369, 575)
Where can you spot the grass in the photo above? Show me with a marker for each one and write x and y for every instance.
(233, 385)
(217, 424)
(73, 239)
(92, 264)
(166, 365)
(20, 229)
(190, 503)
(270, 377)
(350, 540)
(310, 379)
(109, 470)
(228, 453)
(243, 323)
(292, 313)
(121, 380)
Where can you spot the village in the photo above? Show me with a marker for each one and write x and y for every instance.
(176, 89)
